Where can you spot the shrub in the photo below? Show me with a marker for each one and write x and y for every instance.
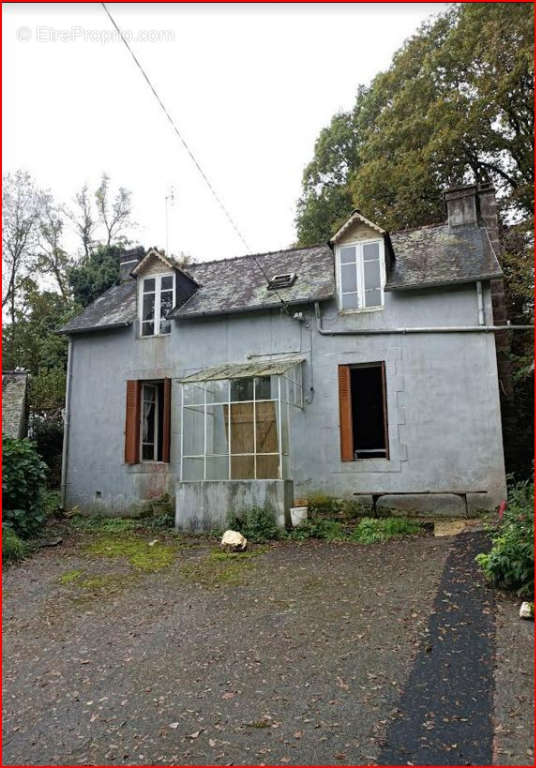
(12, 547)
(371, 530)
(321, 505)
(510, 562)
(255, 523)
(319, 528)
(23, 483)
(46, 430)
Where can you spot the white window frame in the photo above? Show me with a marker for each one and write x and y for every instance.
(150, 385)
(360, 268)
(158, 289)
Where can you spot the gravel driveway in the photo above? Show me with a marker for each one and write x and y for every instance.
(297, 654)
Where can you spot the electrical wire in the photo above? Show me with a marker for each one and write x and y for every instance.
(191, 154)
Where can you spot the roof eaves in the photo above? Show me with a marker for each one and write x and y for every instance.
(441, 283)
(91, 329)
(179, 315)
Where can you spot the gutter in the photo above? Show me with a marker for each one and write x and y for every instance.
(93, 328)
(66, 424)
(428, 329)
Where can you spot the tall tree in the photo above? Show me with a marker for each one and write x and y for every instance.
(21, 210)
(52, 258)
(95, 273)
(454, 106)
(83, 220)
(114, 211)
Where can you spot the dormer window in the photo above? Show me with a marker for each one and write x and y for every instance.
(157, 300)
(360, 275)
(282, 281)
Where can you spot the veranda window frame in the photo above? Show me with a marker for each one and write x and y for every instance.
(294, 376)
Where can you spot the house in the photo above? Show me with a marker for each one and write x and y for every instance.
(14, 403)
(364, 367)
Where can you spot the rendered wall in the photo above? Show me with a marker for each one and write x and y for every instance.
(442, 391)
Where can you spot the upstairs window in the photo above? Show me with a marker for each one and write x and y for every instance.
(361, 275)
(157, 300)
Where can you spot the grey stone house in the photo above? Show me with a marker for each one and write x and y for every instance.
(364, 367)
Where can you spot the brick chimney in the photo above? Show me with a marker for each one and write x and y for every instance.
(462, 207)
(127, 262)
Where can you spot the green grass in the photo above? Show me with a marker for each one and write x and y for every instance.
(134, 549)
(372, 530)
(69, 577)
(13, 548)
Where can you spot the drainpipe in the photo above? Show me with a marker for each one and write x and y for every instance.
(427, 329)
(66, 423)
(480, 303)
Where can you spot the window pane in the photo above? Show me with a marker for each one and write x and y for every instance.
(166, 302)
(148, 415)
(262, 388)
(348, 255)
(194, 393)
(148, 285)
(217, 468)
(371, 251)
(147, 328)
(373, 298)
(242, 389)
(192, 469)
(242, 467)
(167, 283)
(217, 391)
(348, 277)
(242, 428)
(350, 301)
(217, 429)
(266, 428)
(147, 452)
(148, 307)
(194, 431)
(267, 467)
(372, 274)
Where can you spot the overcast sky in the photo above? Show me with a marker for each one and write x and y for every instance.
(249, 85)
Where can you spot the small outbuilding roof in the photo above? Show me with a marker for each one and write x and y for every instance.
(244, 370)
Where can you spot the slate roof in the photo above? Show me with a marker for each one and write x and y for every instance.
(425, 257)
(238, 285)
(437, 255)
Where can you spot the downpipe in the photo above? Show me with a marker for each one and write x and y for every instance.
(428, 329)
(66, 424)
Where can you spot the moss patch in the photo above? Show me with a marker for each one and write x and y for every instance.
(220, 569)
(70, 576)
(137, 550)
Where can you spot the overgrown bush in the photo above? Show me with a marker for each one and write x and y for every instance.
(371, 530)
(319, 528)
(23, 485)
(320, 505)
(46, 430)
(255, 523)
(510, 562)
(12, 547)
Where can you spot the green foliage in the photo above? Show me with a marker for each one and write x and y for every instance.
(371, 530)
(13, 547)
(255, 523)
(510, 563)
(23, 483)
(95, 273)
(46, 430)
(455, 105)
(319, 528)
(140, 553)
(321, 505)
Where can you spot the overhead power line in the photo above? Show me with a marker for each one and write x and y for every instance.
(190, 152)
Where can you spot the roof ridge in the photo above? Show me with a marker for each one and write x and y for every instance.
(256, 255)
(423, 226)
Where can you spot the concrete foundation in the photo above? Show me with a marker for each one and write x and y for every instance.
(422, 504)
(206, 505)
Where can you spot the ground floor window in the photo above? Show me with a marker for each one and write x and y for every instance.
(363, 412)
(148, 419)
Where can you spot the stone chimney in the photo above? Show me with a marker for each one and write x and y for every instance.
(127, 262)
(462, 208)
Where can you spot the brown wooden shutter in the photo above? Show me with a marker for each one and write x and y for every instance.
(166, 422)
(132, 423)
(345, 410)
